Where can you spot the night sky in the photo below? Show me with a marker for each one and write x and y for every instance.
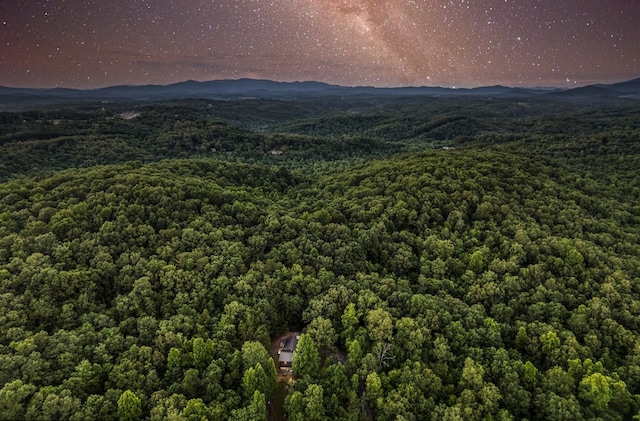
(463, 43)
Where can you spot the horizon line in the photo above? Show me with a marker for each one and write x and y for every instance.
(451, 87)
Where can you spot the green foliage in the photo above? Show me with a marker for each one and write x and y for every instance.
(314, 403)
(494, 281)
(13, 397)
(354, 354)
(373, 388)
(295, 405)
(129, 406)
(306, 359)
(379, 325)
(322, 333)
(255, 411)
(259, 363)
(196, 410)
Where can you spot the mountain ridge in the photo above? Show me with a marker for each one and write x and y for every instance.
(270, 89)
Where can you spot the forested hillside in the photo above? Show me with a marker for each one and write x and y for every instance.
(494, 279)
(599, 138)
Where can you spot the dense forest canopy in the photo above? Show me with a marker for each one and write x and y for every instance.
(444, 259)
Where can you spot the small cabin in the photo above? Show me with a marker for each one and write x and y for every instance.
(286, 350)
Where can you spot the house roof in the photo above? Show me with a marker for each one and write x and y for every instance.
(285, 356)
(290, 343)
(288, 347)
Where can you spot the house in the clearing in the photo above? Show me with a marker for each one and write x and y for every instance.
(286, 350)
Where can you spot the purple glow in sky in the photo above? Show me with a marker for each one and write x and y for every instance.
(82, 44)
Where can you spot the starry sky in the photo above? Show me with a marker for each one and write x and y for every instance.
(453, 43)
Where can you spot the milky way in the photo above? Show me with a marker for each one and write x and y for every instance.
(74, 43)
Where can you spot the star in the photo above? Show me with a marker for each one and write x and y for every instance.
(73, 43)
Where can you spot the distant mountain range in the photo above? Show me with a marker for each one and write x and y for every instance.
(251, 88)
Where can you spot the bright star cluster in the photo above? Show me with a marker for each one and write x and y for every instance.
(464, 43)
